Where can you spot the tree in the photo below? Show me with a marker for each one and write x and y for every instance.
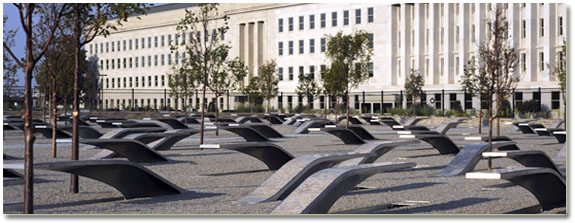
(181, 81)
(268, 82)
(10, 67)
(204, 54)
(308, 87)
(34, 53)
(497, 59)
(559, 70)
(413, 86)
(89, 20)
(228, 75)
(252, 91)
(333, 86)
(350, 56)
(474, 82)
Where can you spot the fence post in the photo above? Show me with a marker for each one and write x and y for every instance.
(228, 99)
(443, 101)
(165, 99)
(513, 102)
(540, 97)
(132, 104)
(197, 99)
(381, 107)
(464, 100)
(401, 99)
(362, 102)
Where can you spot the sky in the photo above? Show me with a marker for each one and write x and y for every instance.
(14, 23)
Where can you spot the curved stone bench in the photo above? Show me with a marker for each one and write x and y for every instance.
(321, 190)
(528, 158)
(188, 120)
(291, 174)
(131, 179)
(468, 157)
(378, 148)
(120, 133)
(131, 149)
(270, 154)
(265, 130)
(275, 120)
(562, 154)
(389, 122)
(525, 128)
(251, 119)
(112, 123)
(47, 131)
(7, 126)
(160, 141)
(303, 128)
(248, 133)
(442, 143)
(544, 183)
(346, 135)
(561, 136)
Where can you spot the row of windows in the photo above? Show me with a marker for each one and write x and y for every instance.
(129, 82)
(131, 62)
(158, 41)
(311, 70)
(311, 44)
(323, 22)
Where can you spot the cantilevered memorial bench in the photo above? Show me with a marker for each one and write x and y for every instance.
(468, 157)
(440, 129)
(246, 132)
(321, 190)
(319, 123)
(11, 177)
(188, 120)
(352, 119)
(553, 127)
(527, 158)
(444, 144)
(409, 122)
(7, 126)
(389, 121)
(347, 135)
(545, 184)
(262, 128)
(106, 123)
(252, 119)
(162, 140)
(129, 178)
(47, 131)
(131, 149)
(273, 119)
(292, 174)
(561, 136)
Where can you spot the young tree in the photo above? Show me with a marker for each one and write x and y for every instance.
(413, 86)
(268, 82)
(175, 85)
(181, 81)
(498, 60)
(228, 75)
(474, 82)
(349, 56)
(333, 86)
(559, 70)
(27, 12)
(203, 52)
(89, 20)
(308, 87)
(252, 91)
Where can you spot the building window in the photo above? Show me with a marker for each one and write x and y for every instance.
(322, 20)
(130, 62)
(321, 71)
(321, 102)
(280, 25)
(118, 45)
(163, 59)
(107, 48)
(155, 60)
(312, 71)
(137, 43)
(334, 19)
(101, 47)
(130, 44)
(163, 41)
(301, 23)
(169, 59)
(426, 67)
(281, 48)
(113, 83)
(290, 102)
(92, 46)
(163, 81)
(323, 47)
(523, 62)
(124, 45)
(177, 37)
(143, 43)
(301, 47)
(441, 65)
(214, 34)
(560, 26)
(155, 41)
(523, 28)
(177, 59)
(311, 45)
(346, 17)
(541, 27)
(358, 16)
(555, 100)
(370, 15)
(150, 61)
(301, 72)
(290, 47)
(149, 42)
(473, 33)
(290, 24)
(541, 61)
(137, 62)
(456, 65)
(370, 66)
(156, 80)
(290, 73)
(370, 37)
(281, 73)
(124, 62)
(311, 21)
(113, 64)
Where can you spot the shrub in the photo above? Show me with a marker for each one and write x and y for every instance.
(506, 109)
(530, 106)
(397, 111)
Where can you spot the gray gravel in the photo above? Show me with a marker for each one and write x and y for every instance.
(216, 178)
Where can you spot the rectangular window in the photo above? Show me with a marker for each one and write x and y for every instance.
(560, 26)
(311, 45)
(163, 59)
(370, 66)
(322, 20)
(321, 70)
(143, 43)
(124, 62)
(118, 45)
(281, 73)
(473, 33)
(155, 41)
(290, 102)
(369, 15)
(280, 25)
(130, 81)
(177, 58)
(143, 61)
(441, 65)
(301, 47)
(130, 44)
(107, 48)
(555, 100)
(524, 28)
(113, 64)
(290, 47)
(149, 42)
(370, 36)
(311, 21)
(301, 71)
(323, 47)
(281, 48)
(124, 45)
(137, 62)
(107, 67)
(358, 16)
(163, 41)
(92, 46)
(163, 81)
(169, 59)
(150, 61)
(346, 17)
(156, 80)
(541, 62)
(334, 19)
(130, 62)
(456, 65)
(155, 60)
(290, 24)
(177, 37)
(101, 47)
(290, 73)
(312, 71)
(523, 62)
(137, 44)
(113, 83)
(541, 27)
(214, 34)
(184, 38)
(184, 58)
(301, 23)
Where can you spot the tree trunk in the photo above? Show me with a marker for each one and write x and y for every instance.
(28, 133)
(413, 106)
(203, 110)
(489, 148)
(480, 116)
(326, 103)
(217, 113)
(76, 104)
(44, 103)
(54, 118)
(347, 110)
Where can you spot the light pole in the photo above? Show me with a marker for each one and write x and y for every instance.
(101, 102)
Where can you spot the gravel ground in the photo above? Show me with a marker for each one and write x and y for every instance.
(215, 178)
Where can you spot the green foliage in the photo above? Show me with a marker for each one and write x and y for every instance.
(247, 108)
(506, 111)
(530, 106)
(397, 111)
(456, 106)
(181, 83)
(420, 110)
(268, 81)
(413, 85)
(307, 87)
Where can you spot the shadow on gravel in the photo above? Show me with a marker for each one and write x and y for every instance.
(188, 195)
(394, 189)
(76, 203)
(233, 173)
(437, 207)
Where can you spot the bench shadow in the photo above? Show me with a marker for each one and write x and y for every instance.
(427, 208)
(393, 189)
(186, 195)
(76, 203)
(234, 173)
